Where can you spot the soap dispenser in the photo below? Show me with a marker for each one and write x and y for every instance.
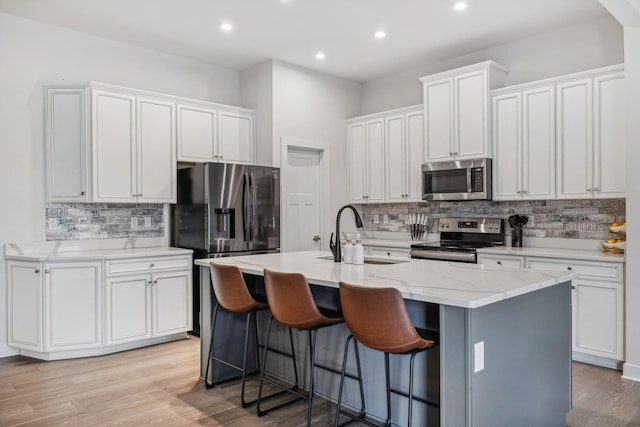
(348, 251)
(358, 251)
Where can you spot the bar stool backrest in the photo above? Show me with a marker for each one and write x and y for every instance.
(378, 318)
(291, 300)
(230, 288)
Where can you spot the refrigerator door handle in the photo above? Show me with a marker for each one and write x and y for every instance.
(245, 207)
(252, 211)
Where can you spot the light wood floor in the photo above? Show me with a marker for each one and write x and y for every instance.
(159, 385)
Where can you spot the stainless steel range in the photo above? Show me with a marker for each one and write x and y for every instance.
(459, 239)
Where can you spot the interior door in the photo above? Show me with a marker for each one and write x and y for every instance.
(304, 185)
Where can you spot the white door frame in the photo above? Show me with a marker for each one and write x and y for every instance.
(305, 144)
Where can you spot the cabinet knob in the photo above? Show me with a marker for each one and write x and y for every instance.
(36, 271)
(221, 156)
(573, 287)
(82, 193)
(588, 188)
(570, 268)
(499, 262)
(596, 189)
(455, 153)
(152, 265)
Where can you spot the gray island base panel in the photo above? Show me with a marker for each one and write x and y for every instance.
(500, 363)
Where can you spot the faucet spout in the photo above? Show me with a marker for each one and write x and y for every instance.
(337, 252)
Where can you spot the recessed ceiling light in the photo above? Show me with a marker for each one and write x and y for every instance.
(320, 56)
(459, 6)
(380, 34)
(226, 26)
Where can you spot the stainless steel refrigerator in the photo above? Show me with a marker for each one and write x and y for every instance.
(226, 210)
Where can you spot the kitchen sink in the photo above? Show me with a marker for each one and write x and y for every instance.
(373, 260)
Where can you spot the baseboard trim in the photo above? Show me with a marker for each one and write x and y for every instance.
(631, 372)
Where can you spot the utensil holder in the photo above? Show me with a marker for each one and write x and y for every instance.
(417, 231)
(516, 237)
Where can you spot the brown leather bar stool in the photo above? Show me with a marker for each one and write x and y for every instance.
(378, 318)
(232, 295)
(293, 305)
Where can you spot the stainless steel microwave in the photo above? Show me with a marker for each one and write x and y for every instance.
(457, 180)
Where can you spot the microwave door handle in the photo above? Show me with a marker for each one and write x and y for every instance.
(469, 187)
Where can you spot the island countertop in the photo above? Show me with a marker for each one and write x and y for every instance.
(449, 283)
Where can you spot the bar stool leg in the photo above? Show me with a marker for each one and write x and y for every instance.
(244, 360)
(313, 334)
(208, 384)
(388, 384)
(413, 356)
(343, 374)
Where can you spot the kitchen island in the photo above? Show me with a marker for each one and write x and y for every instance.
(504, 354)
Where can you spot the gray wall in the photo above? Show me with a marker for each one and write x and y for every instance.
(580, 47)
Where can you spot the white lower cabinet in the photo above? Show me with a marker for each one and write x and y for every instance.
(597, 303)
(151, 299)
(60, 310)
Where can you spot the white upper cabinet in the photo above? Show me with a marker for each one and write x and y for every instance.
(385, 156)
(590, 136)
(117, 145)
(66, 145)
(208, 134)
(404, 154)
(524, 143)
(457, 111)
(366, 160)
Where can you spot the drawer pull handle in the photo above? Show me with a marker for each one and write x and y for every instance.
(573, 287)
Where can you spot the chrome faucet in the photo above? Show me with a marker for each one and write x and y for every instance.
(335, 246)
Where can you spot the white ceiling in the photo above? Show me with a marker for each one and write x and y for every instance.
(418, 31)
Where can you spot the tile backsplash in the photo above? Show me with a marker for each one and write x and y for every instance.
(571, 219)
(80, 221)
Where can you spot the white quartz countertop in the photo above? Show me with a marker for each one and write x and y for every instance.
(14, 253)
(440, 282)
(577, 254)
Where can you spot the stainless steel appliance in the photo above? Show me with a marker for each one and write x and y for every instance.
(459, 239)
(226, 210)
(457, 180)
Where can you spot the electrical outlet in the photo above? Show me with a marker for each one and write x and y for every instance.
(53, 223)
(134, 222)
(147, 222)
(385, 219)
(376, 219)
(478, 354)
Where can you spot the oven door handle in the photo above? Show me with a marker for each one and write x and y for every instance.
(443, 256)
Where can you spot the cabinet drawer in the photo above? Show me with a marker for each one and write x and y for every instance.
(586, 270)
(502, 260)
(147, 264)
(382, 251)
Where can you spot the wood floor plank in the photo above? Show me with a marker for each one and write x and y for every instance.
(159, 386)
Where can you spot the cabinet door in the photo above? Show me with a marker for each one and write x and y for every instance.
(414, 154)
(128, 309)
(574, 139)
(375, 161)
(172, 303)
(470, 122)
(597, 309)
(73, 305)
(609, 136)
(196, 134)
(507, 146)
(395, 158)
(156, 166)
(438, 117)
(24, 280)
(538, 143)
(235, 138)
(66, 142)
(113, 142)
(357, 144)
